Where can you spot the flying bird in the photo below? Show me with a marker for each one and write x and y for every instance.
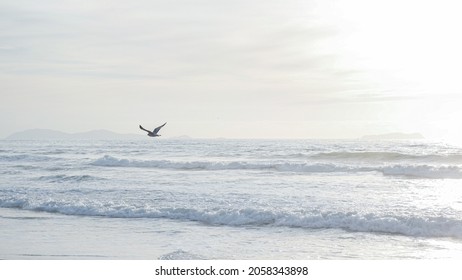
(154, 132)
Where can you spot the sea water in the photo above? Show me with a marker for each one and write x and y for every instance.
(230, 199)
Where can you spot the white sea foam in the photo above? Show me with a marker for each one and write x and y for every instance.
(389, 157)
(181, 255)
(332, 191)
(414, 170)
(429, 226)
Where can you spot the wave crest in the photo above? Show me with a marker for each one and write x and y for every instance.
(433, 226)
(181, 255)
(389, 157)
(415, 171)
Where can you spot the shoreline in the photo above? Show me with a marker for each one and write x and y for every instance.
(30, 235)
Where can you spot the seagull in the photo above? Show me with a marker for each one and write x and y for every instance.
(154, 132)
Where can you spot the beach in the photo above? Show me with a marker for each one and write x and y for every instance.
(230, 199)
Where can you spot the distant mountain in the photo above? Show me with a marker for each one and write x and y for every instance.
(48, 134)
(394, 136)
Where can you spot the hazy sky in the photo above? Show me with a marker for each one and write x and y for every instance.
(235, 68)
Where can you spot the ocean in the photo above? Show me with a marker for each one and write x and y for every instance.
(230, 199)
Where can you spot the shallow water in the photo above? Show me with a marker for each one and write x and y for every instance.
(230, 199)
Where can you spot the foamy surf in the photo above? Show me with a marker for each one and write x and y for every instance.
(305, 198)
(181, 255)
(389, 157)
(429, 226)
(414, 170)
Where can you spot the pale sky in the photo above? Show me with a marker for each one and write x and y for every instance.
(235, 68)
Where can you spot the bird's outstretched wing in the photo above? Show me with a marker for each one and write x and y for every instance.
(158, 128)
(142, 128)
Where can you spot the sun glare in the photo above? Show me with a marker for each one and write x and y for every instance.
(414, 44)
(409, 50)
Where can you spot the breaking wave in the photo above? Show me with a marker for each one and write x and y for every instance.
(432, 226)
(181, 255)
(416, 170)
(389, 156)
